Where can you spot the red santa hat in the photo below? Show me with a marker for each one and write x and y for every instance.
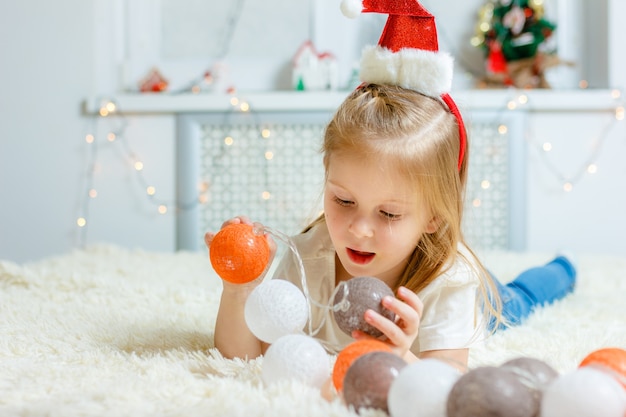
(407, 54)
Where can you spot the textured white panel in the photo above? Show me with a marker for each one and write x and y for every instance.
(486, 222)
(275, 180)
(239, 171)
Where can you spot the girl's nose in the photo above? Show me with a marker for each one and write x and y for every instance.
(361, 227)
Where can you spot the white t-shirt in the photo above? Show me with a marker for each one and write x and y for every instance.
(450, 318)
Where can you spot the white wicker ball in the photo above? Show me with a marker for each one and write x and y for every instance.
(423, 386)
(584, 392)
(296, 357)
(274, 309)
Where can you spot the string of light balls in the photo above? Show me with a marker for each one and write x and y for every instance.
(590, 164)
(116, 135)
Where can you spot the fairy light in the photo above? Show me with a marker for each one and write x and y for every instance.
(522, 99)
(116, 138)
(203, 197)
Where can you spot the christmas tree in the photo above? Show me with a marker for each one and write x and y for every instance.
(511, 33)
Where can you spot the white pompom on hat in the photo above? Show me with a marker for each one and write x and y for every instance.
(407, 54)
(351, 8)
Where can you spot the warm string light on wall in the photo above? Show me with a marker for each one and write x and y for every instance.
(242, 107)
(116, 135)
(590, 165)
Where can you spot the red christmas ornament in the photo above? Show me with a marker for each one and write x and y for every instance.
(614, 359)
(153, 82)
(238, 254)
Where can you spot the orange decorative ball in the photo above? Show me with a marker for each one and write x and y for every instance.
(611, 358)
(239, 255)
(352, 352)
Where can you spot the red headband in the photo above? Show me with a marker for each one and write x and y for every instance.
(462, 133)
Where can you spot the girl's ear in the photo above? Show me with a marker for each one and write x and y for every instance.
(433, 225)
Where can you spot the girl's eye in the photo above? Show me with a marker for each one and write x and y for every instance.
(390, 216)
(343, 203)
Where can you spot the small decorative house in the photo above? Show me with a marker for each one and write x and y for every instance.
(313, 70)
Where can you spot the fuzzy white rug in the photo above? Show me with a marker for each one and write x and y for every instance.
(113, 332)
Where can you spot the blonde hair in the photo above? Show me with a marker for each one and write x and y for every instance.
(420, 137)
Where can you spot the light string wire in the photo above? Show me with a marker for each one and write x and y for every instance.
(117, 136)
(518, 100)
(342, 304)
(111, 111)
(598, 141)
(568, 181)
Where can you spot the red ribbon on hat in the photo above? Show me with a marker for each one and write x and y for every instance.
(407, 54)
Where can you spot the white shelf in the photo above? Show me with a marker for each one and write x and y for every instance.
(295, 101)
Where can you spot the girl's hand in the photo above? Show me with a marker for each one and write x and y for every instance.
(208, 238)
(401, 334)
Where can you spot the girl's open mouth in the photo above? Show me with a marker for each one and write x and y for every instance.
(360, 258)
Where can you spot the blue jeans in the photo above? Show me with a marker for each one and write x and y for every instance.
(533, 288)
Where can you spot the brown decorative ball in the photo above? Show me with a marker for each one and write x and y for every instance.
(490, 391)
(351, 353)
(533, 372)
(367, 382)
(356, 296)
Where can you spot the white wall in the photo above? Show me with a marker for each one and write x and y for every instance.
(49, 66)
(46, 71)
(590, 217)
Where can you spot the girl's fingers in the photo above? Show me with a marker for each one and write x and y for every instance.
(403, 331)
(208, 238)
(396, 335)
(411, 299)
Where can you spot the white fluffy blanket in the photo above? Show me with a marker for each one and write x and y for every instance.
(113, 332)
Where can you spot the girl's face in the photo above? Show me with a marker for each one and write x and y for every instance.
(375, 218)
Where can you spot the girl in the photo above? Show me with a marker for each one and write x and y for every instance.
(393, 202)
(395, 158)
